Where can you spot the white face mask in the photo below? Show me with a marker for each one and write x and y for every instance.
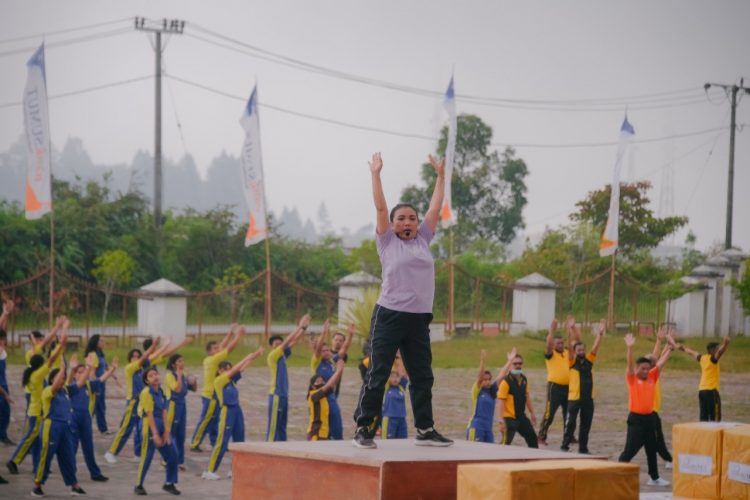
(516, 371)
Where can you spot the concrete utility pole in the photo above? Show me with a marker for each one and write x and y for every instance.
(171, 27)
(733, 125)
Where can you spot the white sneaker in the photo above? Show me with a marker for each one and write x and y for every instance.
(211, 476)
(668, 466)
(135, 459)
(658, 482)
(110, 458)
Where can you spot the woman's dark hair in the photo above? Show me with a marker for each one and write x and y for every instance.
(93, 344)
(145, 374)
(400, 206)
(36, 361)
(223, 365)
(172, 360)
(52, 374)
(133, 351)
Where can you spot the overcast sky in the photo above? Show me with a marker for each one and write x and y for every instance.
(555, 53)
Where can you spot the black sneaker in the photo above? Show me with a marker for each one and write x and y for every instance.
(196, 449)
(171, 488)
(565, 447)
(363, 439)
(139, 490)
(584, 452)
(37, 492)
(100, 479)
(8, 442)
(12, 467)
(431, 438)
(3, 480)
(76, 491)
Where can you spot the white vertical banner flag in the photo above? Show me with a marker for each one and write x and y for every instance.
(610, 238)
(36, 124)
(447, 216)
(252, 173)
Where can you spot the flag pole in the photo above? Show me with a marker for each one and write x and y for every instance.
(451, 284)
(611, 305)
(267, 310)
(51, 268)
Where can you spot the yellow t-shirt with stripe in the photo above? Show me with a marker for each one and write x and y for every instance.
(710, 373)
(35, 349)
(558, 367)
(35, 388)
(509, 411)
(130, 370)
(210, 367)
(574, 385)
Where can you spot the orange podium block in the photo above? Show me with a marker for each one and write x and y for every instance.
(396, 469)
(592, 479)
(515, 481)
(697, 452)
(735, 464)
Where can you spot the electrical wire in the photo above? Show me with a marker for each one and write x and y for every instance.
(68, 30)
(431, 138)
(69, 41)
(83, 91)
(656, 100)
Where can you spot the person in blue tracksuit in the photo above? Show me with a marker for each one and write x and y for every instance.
(96, 345)
(231, 423)
(137, 362)
(394, 403)
(323, 364)
(278, 391)
(484, 397)
(156, 433)
(33, 380)
(82, 396)
(57, 434)
(5, 399)
(175, 390)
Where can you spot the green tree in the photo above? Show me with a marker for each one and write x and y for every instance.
(364, 258)
(488, 188)
(743, 288)
(114, 269)
(639, 229)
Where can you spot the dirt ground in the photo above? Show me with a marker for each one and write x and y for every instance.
(451, 402)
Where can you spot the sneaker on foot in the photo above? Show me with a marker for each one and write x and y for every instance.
(196, 449)
(363, 439)
(139, 490)
(171, 488)
(542, 441)
(229, 474)
(110, 458)
(210, 476)
(565, 447)
(668, 466)
(431, 438)
(12, 467)
(37, 492)
(8, 442)
(76, 491)
(100, 479)
(3, 480)
(658, 482)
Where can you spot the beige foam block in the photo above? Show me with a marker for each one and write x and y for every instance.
(697, 452)
(735, 463)
(514, 481)
(596, 479)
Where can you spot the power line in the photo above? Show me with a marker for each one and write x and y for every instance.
(68, 30)
(431, 138)
(83, 91)
(680, 97)
(70, 41)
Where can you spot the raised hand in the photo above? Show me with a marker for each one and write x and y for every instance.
(90, 359)
(326, 326)
(8, 306)
(482, 355)
(304, 321)
(115, 363)
(376, 164)
(661, 334)
(74, 361)
(553, 326)
(629, 340)
(438, 164)
(602, 327)
(512, 354)
(570, 322)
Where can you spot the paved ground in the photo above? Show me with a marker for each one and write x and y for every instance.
(451, 402)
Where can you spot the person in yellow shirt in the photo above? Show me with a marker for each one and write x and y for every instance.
(318, 404)
(514, 400)
(581, 389)
(558, 377)
(709, 400)
(33, 380)
(216, 353)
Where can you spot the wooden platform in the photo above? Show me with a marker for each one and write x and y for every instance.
(397, 469)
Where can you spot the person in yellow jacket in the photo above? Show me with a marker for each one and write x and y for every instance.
(709, 400)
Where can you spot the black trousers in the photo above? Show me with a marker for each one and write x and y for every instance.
(641, 433)
(390, 331)
(586, 408)
(523, 427)
(557, 397)
(661, 445)
(710, 405)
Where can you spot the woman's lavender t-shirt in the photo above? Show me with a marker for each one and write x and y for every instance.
(408, 271)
